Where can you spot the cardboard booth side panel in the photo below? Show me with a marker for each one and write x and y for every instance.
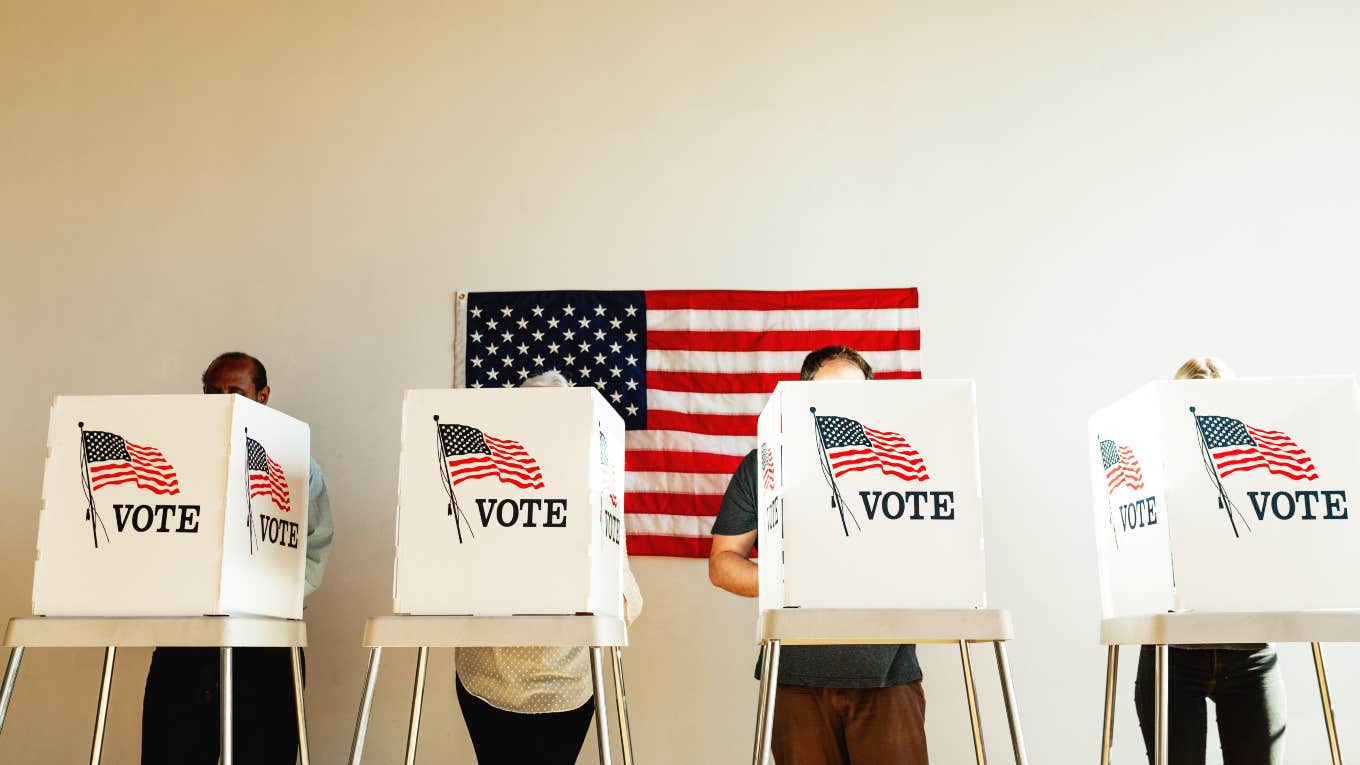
(607, 506)
(1131, 512)
(401, 481)
(977, 488)
(264, 553)
(881, 506)
(151, 546)
(770, 526)
(1277, 538)
(487, 540)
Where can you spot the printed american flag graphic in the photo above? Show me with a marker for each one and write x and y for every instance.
(607, 473)
(1121, 466)
(688, 370)
(470, 454)
(851, 447)
(1238, 447)
(112, 459)
(266, 475)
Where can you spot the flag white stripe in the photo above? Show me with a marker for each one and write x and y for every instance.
(795, 320)
(739, 362)
(670, 525)
(681, 441)
(705, 403)
(676, 483)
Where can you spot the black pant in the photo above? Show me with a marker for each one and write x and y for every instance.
(180, 713)
(1248, 696)
(510, 738)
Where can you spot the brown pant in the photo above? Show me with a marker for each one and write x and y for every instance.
(849, 726)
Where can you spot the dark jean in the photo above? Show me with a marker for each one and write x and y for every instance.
(180, 711)
(1248, 696)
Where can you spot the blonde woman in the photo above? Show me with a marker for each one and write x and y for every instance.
(1243, 681)
(531, 705)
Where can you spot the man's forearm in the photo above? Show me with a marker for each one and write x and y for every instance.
(734, 573)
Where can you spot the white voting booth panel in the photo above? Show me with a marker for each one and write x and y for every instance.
(510, 502)
(869, 496)
(172, 506)
(1228, 495)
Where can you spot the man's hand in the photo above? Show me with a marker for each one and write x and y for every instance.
(730, 566)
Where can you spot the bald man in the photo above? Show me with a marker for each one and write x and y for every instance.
(180, 724)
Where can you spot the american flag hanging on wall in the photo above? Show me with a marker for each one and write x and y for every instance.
(688, 370)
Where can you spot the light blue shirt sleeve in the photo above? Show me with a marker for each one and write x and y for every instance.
(320, 529)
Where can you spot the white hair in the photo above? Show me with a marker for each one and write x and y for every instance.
(553, 379)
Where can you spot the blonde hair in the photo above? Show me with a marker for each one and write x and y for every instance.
(1203, 368)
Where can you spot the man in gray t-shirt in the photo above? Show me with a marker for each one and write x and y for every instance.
(834, 705)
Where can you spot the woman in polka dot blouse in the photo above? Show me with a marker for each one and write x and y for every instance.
(535, 704)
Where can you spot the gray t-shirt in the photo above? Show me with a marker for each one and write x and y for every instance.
(822, 666)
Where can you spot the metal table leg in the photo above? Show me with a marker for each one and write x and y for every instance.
(621, 705)
(1161, 736)
(1003, 667)
(979, 750)
(601, 705)
(225, 682)
(356, 747)
(1111, 680)
(101, 716)
(769, 678)
(303, 752)
(16, 654)
(417, 698)
(1326, 694)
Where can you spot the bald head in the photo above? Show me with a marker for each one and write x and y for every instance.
(238, 373)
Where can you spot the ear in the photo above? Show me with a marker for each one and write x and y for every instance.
(262, 395)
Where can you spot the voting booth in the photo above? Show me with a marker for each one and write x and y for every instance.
(869, 496)
(172, 506)
(510, 502)
(1228, 495)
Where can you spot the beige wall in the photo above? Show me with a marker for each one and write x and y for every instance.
(1083, 196)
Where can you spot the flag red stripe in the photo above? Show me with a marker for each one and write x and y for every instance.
(1287, 473)
(167, 481)
(507, 447)
(527, 475)
(661, 544)
(899, 453)
(886, 467)
(132, 478)
(111, 479)
(671, 504)
(104, 467)
(1230, 459)
(853, 455)
(479, 459)
(501, 467)
(749, 382)
(698, 340)
(847, 458)
(710, 424)
(757, 300)
(468, 475)
(680, 462)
